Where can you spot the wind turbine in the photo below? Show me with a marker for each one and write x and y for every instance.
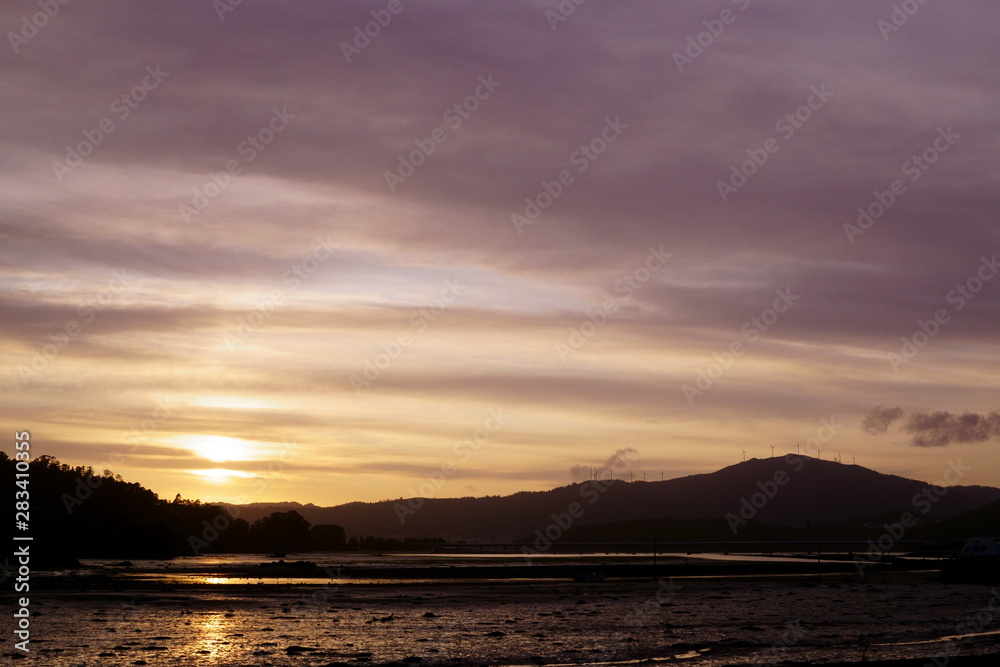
(797, 447)
(629, 476)
(644, 475)
(772, 451)
(744, 456)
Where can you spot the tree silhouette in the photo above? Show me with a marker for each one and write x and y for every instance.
(328, 538)
(281, 531)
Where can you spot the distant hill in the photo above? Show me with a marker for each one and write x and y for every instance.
(814, 492)
(666, 531)
(980, 522)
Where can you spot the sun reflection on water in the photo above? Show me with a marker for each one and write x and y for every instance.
(215, 631)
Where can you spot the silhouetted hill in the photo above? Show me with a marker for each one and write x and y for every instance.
(813, 492)
(666, 531)
(980, 522)
(984, 521)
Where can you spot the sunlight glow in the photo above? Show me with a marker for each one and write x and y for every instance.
(221, 475)
(220, 448)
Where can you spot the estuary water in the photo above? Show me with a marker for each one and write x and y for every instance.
(203, 612)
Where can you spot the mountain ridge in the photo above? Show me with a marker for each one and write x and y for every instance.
(790, 491)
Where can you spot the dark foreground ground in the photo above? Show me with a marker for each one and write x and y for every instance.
(692, 616)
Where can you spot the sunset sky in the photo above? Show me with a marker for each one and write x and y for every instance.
(251, 253)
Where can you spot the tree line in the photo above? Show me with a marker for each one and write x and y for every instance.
(79, 513)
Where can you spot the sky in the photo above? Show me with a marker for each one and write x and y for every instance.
(336, 251)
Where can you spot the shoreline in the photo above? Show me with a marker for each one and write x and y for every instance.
(208, 576)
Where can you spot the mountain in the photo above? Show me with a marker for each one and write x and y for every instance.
(980, 522)
(793, 491)
(667, 531)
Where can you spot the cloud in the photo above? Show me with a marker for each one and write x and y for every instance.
(934, 429)
(616, 463)
(941, 428)
(195, 284)
(878, 420)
